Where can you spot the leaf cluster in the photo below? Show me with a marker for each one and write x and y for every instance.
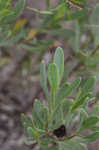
(8, 14)
(60, 124)
(49, 22)
(52, 24)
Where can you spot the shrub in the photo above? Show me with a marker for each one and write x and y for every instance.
(60, 124)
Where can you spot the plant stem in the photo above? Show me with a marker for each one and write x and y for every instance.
(51, 104)
(53, 99)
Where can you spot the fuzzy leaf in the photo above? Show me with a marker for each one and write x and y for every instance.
(66, 105)
(84, 113)
(53, 76)
(66, 90)
(89, 84)
(32, 132)
(61, 93)
(59, 61)
(40, 115)
(81, 101)
(44, 79)
(89, 122)
(56, 118)
(71, 145)
(83, 116)
(92, 137)
(96, 110)
(26, 122)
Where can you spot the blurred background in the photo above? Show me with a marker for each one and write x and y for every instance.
(32, 37)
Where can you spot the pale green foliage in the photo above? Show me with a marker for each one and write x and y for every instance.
(62, 110)
(59, 61)
(8, 14)
(53, 76)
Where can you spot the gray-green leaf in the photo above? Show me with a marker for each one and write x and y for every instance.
(89, 84)
(66, 90)
(59, 61)
(92, 137)
(89, 122)
(32, 132)
(71, 145)
(40, 115)
(81, 101)
(44, 79)
(53, 76)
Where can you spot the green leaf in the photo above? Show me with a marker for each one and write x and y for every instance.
(23, 118)
(40, 115)
(96, 110)
(58, 13)
(66, 105)
(61, 94)
(83, 116)
(82, 56)
(32, 132)
(84, 113)
(82, 99)
(89, 84)
(49, 148)
(78, 14)
(66, 90)
(56, 118)
(14, 39)
(66, 33)
(26, 122)
(70, 120)
(15, 11)
(80, 2)
(59, 61)
(4, 35)
(89, 122)
(44, 79)
(4, 3)
(45, 12)
(53, 76)
(3, 14)
(95, 128)
(71, 145)
(92, 137)
(28, 142)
